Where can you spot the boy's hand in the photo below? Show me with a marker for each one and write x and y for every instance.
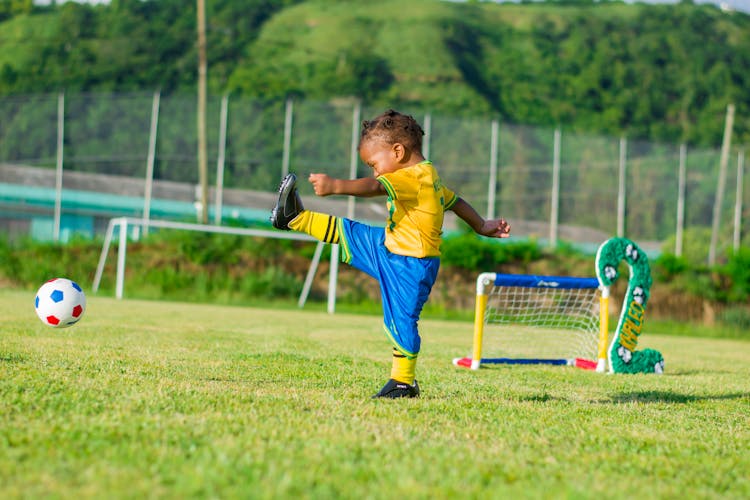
(494, 228)
(322, 184)
(497, 228)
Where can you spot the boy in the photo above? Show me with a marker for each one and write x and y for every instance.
(405, 255)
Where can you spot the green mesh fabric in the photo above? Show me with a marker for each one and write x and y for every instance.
(622, 353)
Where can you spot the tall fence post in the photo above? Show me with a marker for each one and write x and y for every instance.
(427, 135)
(621, 193)
(220, 159)
(738, 203)
(335, 249)
(59, 166)
(151, 160)
(288, 117)
(554, 215)
(721, 184)
(681, 181)
(122, 249)
(492, 188)
(354, 155)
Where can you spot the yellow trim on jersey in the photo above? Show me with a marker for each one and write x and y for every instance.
(388, 187)
(452, 202)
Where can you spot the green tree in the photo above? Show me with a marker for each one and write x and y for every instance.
(660, 72)
(10, 8)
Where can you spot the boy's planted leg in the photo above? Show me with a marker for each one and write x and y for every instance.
(403, 368)
(402, 383)
(394, 390)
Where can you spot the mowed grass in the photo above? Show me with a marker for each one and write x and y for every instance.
(155, 399)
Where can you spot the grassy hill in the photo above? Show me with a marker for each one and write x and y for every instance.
(341, 44)
(662, 72)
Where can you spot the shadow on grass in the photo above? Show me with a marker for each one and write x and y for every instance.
(637, 397)
(12, 357)
(671, 397)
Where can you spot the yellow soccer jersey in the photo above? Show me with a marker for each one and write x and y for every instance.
(417, 200)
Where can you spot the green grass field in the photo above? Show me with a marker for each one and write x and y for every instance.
(155, 399)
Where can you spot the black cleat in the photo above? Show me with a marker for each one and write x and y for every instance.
(289, 204)
(394, 389)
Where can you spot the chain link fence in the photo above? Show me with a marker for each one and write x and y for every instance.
(69, 162)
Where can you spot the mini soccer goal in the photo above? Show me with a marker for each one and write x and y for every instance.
(525, 319)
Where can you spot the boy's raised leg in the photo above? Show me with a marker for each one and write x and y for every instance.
(289, 205)
(289, 214)
(323, 227)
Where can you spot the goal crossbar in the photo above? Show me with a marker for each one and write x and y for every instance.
(570, 310)
(123, 223)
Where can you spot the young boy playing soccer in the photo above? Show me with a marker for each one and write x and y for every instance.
(404, 256)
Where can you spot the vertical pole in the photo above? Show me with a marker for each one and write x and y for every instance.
(288, 117)
(103, 256)
(484, 281)
(310, 274)
(720, 184)
(201, 118)
(479, 308)
(738, 202)
(333, 278)
(492, 188)
(681, 182)
(427, 135)
(150, 161)
(59, 165)
(335, 249)
(554, 216)
(601, 361)
(122, 249)
(621, 188)
(354, 155)
(220, 160)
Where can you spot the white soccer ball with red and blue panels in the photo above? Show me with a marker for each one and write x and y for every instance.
(60, 303)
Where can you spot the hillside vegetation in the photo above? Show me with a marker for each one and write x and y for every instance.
(233, 269)
(663, 72)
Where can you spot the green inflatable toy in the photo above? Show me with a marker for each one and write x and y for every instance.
(622, 354)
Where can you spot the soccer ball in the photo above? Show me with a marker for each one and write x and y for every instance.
(60, 303)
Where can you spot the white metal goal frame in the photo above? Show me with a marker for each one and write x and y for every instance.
(551, 293)
(123, 223)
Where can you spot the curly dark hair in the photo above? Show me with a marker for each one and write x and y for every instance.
(392, 127)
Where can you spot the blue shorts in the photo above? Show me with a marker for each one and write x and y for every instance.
(405, 282)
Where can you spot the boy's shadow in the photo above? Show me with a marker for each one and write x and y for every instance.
(671, 397)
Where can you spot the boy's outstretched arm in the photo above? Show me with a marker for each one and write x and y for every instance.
(325, 185)
(495, 228)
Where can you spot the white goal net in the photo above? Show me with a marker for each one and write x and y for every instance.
(525, 319)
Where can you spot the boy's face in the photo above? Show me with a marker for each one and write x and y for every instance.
(383, 158)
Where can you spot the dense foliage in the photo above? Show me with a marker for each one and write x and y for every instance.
(239, 270)
(664, 72)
